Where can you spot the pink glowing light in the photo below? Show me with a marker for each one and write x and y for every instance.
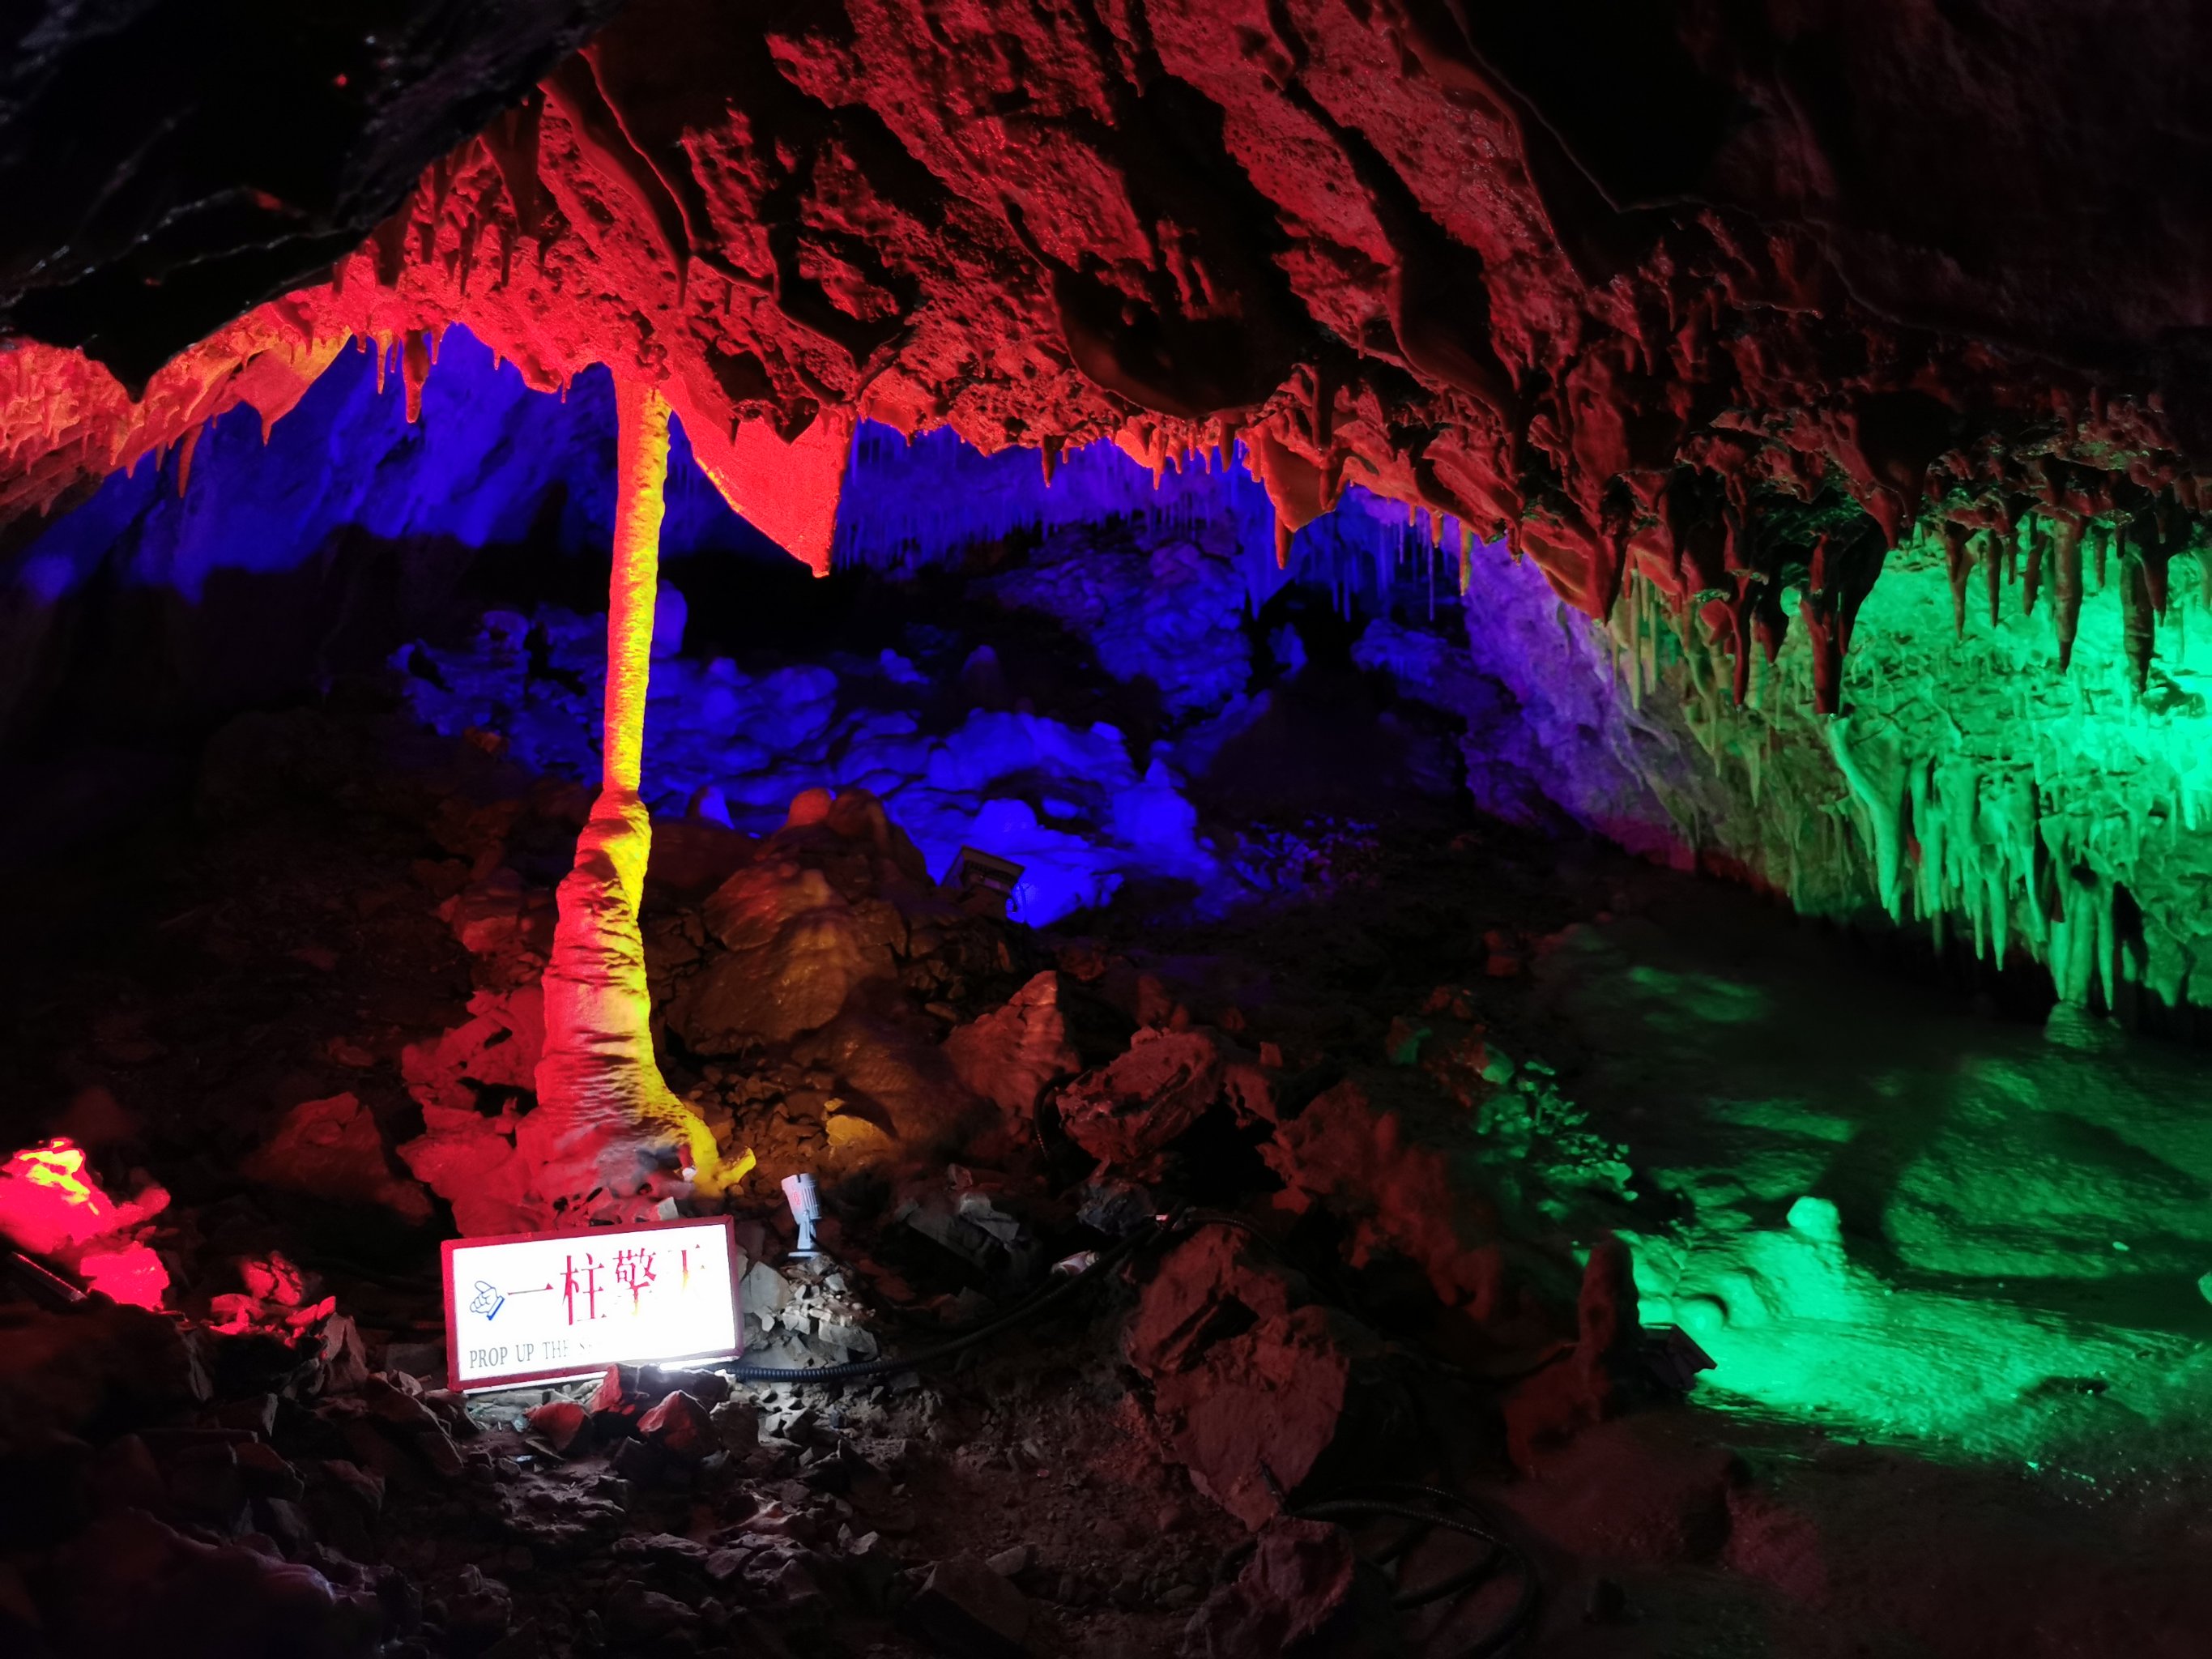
(50, 1208)
(130, 1273)
(47, 1203)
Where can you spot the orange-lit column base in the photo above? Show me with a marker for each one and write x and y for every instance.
(605, 1120)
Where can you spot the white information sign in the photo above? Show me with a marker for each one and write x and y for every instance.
(541, 1305)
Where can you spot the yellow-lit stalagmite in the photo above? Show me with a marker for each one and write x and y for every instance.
(605, 1120)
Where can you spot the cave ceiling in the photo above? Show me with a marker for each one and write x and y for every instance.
(1730, 295)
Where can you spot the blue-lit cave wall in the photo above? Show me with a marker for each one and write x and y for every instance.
(1067, 673)
(1104, 677)
(281, 562)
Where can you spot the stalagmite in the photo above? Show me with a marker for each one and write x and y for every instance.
(604, 1117)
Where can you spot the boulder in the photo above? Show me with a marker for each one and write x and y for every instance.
(1126, 1113)
(499, 915)
(50, 1205)
(963, 1607)
(680, 1427)
(1373, 1150)
(1011, 1056)
(1300, 1577)
(797, 951)
(332, 1149)
(60, 1372)
(131, 1584)
(497, 1047)
(695, 855)
(737, 1425)
(1601, 1377)
(888, 1072)
(560, 1423)
(1654, 1488)
(471, 1162)
(1246, 1374)
(465, 1155)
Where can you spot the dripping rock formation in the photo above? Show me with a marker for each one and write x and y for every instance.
(1729, 302)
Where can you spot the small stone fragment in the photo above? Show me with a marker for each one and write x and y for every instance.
(1298, 1577)
(560, 1423)
(680, 1426)
(966, 1609)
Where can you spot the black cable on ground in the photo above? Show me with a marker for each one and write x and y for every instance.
(1424, 1507)
(1435, 1507)
(861, 1371)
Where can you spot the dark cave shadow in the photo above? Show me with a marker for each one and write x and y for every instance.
(123, 662)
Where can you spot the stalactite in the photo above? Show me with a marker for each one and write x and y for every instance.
(414, 370)
(2156, 541)
(1956, 562)
(605, 1116)
(575, 90)
(1739, 612)
(185, 448)
(471, 232)
(513, 142)
(1824, 625)
(2065, 586)
(2139, 623)
(388, 244)
(442, 181)
(2038, 546)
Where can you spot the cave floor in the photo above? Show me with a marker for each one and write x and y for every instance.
(1961, 1412)
(1970, 1383)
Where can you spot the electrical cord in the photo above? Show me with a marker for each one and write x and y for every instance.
(1427, 1507)
(861, 1369)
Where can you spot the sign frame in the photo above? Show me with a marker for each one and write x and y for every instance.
(511, 1379)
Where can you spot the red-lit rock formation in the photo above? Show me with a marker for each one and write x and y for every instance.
(1729, 299)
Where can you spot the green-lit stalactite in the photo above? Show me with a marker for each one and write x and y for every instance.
(2042, 785)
